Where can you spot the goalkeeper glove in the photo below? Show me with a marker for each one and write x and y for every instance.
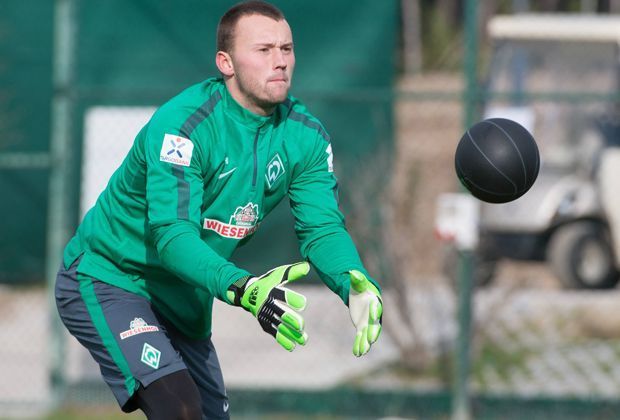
(275, 306)
(366, 309)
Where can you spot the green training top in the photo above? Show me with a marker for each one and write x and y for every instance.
(198, 180)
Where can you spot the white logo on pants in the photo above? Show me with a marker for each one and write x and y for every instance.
(150, 356)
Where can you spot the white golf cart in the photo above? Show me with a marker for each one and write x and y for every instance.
(559, 75)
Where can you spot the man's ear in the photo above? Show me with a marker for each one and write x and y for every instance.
(224, 63)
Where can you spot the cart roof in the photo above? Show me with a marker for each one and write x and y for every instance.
(556, 26)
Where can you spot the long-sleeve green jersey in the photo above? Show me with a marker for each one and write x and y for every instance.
(198, 180)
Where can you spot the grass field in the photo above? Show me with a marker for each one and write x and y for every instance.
(110, 412)
(113, 413)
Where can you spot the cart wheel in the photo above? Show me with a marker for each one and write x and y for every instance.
(581, 256)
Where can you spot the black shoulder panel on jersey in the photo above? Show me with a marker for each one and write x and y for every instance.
(296, 116)
(200, 115)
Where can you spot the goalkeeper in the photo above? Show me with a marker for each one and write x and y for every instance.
(138, 279)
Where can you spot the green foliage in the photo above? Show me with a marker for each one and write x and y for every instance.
(502, 360)
(441, 40)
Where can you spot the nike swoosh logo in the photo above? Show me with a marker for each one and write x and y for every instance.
(225, 174)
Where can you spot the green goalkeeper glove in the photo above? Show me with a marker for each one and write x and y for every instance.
(366, 309)
(275, 306)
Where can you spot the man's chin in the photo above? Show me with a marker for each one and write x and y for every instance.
(278, 95)
(275, 100)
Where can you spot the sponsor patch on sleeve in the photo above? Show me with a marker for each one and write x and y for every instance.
(176, 149)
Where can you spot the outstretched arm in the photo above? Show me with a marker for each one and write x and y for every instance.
(174, 189)
(325, 242)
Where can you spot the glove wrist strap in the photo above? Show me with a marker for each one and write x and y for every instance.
(237, 289)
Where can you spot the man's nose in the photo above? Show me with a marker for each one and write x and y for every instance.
(278, 59)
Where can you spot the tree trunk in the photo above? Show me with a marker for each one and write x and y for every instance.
(412, 38)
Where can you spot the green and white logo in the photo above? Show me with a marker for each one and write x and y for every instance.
(150, 356)
(275, 169)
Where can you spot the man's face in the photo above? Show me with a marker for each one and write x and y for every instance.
(263, 60)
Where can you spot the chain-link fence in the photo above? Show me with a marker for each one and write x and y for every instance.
(533, 340)
(538, 349)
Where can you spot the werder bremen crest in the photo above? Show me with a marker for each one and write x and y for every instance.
(275, 169)
(243, 222)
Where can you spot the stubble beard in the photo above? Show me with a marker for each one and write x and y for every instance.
(261, 97)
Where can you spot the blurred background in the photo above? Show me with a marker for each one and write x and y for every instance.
(524, 324)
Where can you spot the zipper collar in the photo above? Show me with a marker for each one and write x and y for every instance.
(241, 115)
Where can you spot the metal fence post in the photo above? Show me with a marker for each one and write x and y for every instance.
(58, 230)
(461, 404)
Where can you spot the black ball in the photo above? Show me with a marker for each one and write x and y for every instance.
(497, 160)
